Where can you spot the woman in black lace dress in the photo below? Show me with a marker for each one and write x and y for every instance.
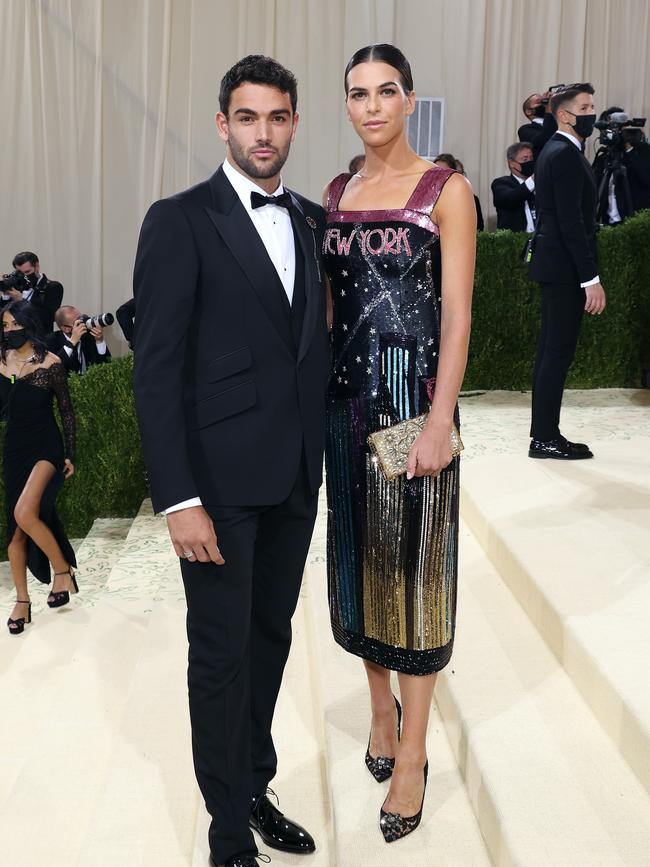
(35, 462)
(399, 253)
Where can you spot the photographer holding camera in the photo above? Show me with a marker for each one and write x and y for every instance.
(541, 124)
(79, 342)
(621, 166)
(28, 283)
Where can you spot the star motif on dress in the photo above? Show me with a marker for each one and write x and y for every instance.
(430, 341)
(356, 285)
(339, 379)
(342, 293)
(439, 299)
(358, 359)
(434, 354)
(369, 370)
(373, 330)
(345, 327)
(385, 265)
(345, 382)
(365, 289)
(421, 349)
(344, 273)
(344, 369)
(428, 295)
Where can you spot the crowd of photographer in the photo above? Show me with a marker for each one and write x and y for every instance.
(79, 339)
(621, 165)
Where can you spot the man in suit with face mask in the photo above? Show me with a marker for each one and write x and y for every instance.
(564, 262)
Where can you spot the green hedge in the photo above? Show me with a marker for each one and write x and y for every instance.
(505, 324)
(110, 478)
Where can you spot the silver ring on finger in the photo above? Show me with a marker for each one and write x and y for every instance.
(188, 554)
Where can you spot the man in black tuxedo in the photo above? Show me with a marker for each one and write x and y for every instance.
(43, 294)
(514, 194)
(77, 347)
(564, 262)
(231, 363)
(541, 122)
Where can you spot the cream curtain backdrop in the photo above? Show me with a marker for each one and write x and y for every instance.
(108, 105)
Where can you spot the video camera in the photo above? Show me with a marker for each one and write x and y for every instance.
(620, 130)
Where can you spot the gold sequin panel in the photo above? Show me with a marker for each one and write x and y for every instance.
(410, 567)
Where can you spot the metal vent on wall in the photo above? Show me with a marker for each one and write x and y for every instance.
(425, 126)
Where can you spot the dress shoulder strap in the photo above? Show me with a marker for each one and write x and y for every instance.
(336, 191)
(427, 192)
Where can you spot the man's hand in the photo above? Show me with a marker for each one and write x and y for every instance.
(192, 530)
(78, 331)
(15, 294)
(596, 301)
(430, 453)
(97, 333)
(547, 95)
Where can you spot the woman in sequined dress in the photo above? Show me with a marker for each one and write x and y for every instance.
(35, 461)
(401, 322)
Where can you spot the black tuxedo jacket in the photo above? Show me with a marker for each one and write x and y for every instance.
(510, 197)
(57, 340)
(125, 314)
(537, 134)
(46, 300)
(566, 196)
(229, 389)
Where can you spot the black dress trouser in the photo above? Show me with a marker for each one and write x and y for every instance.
(239, 631)
(562, 308)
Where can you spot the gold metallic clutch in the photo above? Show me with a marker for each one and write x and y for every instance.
(391, 445)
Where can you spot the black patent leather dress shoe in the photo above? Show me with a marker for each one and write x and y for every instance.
(276, 830)
(560, 449)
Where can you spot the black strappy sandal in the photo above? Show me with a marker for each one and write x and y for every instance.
(56, 600)
(18, 625)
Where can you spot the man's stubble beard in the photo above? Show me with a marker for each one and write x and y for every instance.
(248, 166)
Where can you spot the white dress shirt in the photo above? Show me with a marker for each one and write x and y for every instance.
(576, 141)
(530, 183)
(273, 225)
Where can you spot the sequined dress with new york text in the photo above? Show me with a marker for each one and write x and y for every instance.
(392, 546)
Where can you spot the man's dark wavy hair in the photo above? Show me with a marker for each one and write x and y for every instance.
(24, 314)
(257, 69)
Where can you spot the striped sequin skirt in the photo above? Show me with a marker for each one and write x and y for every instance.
(392, 555)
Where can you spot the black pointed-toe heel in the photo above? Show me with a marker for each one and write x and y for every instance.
(18, 625)
(56, 600)
(381, 767)
(393, 826)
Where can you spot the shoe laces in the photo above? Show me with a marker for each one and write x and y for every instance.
(266, 859)
(269, 791)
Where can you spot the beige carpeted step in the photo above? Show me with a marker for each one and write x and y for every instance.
(547, 784)
(571, 541)
(449, 834)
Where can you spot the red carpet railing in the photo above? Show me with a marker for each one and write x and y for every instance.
(110, 475)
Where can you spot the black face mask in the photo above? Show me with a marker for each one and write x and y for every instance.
(539, 110)
(15, 339)
(527, 169)
(584, 125)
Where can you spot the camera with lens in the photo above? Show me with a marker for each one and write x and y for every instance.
(100, 321)
(552, 90)
(13, 280)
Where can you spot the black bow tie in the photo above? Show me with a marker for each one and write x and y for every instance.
(282, 201)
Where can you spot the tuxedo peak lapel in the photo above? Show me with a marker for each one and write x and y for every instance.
(307, 240)
(241, 237)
